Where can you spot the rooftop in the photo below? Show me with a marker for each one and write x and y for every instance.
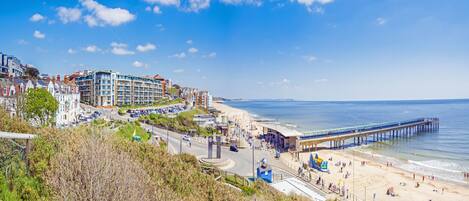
(287, 132)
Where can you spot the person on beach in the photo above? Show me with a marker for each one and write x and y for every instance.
(414, 175)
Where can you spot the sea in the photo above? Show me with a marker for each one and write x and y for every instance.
(443, 154)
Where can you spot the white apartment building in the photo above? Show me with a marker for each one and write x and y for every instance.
(107, 88)
(11, 66)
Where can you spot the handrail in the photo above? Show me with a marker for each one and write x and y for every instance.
(376, 126)
(20, 136)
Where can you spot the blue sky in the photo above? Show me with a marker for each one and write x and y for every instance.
(304, 49)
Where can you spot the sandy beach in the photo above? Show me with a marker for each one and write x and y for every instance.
(240, 117)
(369, 177)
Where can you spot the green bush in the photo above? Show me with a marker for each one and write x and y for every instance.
(182, 123)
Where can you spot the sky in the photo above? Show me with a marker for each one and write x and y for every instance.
(254, 49)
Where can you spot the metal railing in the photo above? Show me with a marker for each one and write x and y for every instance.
(362, 128)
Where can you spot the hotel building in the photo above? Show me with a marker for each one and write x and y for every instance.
(10, 66)
(107, 88)
(195, 98)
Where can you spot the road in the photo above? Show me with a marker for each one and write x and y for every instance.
(242, 159)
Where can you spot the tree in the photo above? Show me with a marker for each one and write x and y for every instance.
(31, 73)
(40, 107)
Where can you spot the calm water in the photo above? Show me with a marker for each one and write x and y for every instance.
(444, 153)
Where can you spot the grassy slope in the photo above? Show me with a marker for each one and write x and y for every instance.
(126, 131)
(85, 163)
(159, 103)
(182, 123)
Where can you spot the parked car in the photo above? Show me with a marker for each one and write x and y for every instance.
(186, 138)
(234, 148)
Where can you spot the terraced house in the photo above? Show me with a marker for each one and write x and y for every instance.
(66, 93)
(107, 88)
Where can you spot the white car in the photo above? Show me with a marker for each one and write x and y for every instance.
(186, 138)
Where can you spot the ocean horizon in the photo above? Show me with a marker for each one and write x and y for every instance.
(444, 153)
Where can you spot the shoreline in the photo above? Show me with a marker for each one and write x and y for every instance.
(375, 176)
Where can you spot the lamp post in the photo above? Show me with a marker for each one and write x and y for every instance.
(253, 171)
(167, 139)
(180, 145)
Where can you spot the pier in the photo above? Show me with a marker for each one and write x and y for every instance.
(362, 134)
(285, 139)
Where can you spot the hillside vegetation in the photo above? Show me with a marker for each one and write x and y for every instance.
(92, 163)
(182, 123)
(159, 103)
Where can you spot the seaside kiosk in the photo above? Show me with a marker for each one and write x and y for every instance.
(283, 139)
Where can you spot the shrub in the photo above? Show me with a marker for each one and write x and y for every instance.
(90, 169)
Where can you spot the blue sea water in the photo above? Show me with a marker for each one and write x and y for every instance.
(443, 154)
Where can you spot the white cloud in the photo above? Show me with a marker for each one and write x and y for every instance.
(314, 9)
(178, 71)
(321, 80)
(22, 42)
(120, 49)
(91, 21)
(242, 2)
(164, 2)
(157, 10)
(211, 55)
(160, 27)
(71, 51)
(311, 2)
(37, 34)
(67, 15)
(310, 58)
(148, 8)
(145, 48)
(381, 21)
(102, 15)
(179, 55)
(139, 64)
(192, 50)
(285, 81)
(195, 5)
(189, 42)
(37, 17)
(92, 48)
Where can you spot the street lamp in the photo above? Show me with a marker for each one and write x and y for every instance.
(253, 171)
(180, 145)
(167, 139)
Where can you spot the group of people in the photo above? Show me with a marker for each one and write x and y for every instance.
(466, 175)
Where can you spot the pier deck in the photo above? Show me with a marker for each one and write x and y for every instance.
(360, 134)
